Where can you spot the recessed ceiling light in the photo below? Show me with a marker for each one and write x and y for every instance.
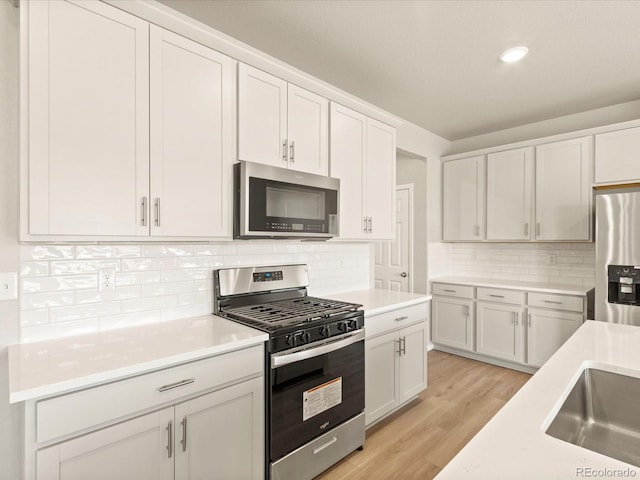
(513, 54)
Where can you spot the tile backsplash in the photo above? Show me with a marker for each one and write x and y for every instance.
(60, 295)
(566, 263)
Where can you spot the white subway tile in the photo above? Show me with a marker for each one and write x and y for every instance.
(107, 251)
(29, 318)
(138, 278)
(46, 300)
(79, 312)
(71, 267)
(214, 249)
(142, 264)
(28, 269)
(193, 298)
(187, 311)
(568, 259)
(57, 330)
(167, 250)
(172, 288)
(203, 285)
(52, 284)
(45, 252)
(149, 303)
(97, 296)
(201, 262)
(113, 322)
(184, 274)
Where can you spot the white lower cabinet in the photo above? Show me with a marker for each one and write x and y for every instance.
(395, 363)
(453, 322)
(203, 419)
(547, 331)
(500, 331)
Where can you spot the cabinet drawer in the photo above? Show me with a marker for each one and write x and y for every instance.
(557, 302)
(74, 412)
(462, 291)
(500, 295)
(389, 321)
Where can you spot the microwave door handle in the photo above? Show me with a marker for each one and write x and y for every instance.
(280, 359)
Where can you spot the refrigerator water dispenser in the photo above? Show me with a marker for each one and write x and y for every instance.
(624, 284)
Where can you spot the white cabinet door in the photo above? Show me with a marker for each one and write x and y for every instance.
(563, 190)
(412, 371)
(381, 395)
(547, 332)
(500, 331)
(192, 124)
(616, 156)
(348, 162)
(509, 181)
(308, 131)
(88, 119)
(453, 322)
(380, 179)
(463, 190)
(138, 449)
(262, 117)
(221, 435)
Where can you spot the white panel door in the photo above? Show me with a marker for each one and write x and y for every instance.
(138, 449)
(616, 156)
(308, 131)
(221, 435)
(547, 332)
(509, 187)
(393, 267)
(500, 331)
(192, 128)
(412, 376)
(453, 322)
(463, 193)
(347, 153)
(88, 119)
(262, 117)
(380, 179)
(381, 395)
(563, 190)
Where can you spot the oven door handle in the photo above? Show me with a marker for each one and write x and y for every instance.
(280, 359)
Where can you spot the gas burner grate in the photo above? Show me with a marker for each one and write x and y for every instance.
(292, 311)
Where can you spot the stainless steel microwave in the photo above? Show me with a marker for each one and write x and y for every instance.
(273, 202)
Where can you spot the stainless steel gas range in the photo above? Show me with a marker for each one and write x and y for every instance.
(314, 366)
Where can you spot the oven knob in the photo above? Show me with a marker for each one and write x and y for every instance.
(325, 331)
(304, 337)
(342, 326)
(353, 324)
(290, 340)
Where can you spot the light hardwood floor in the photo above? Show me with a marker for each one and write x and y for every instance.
(420, 439)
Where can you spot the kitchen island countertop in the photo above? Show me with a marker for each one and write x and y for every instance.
(513, 444)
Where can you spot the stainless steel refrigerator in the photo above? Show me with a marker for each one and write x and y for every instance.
(618, 257)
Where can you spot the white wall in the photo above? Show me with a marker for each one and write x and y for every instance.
(9, 256)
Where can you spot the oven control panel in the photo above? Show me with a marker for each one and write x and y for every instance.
(267, 276)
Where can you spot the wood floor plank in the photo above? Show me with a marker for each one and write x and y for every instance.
(420, 439)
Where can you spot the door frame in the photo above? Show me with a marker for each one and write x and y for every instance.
(409, 187)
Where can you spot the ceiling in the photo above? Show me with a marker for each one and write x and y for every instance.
(435, 63)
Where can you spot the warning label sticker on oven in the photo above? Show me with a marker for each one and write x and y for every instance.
(318, 399)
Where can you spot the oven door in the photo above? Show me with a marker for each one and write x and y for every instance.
(314, 390)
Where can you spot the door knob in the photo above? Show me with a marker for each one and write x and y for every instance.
(403, 274)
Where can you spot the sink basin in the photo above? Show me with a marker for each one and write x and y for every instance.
(602, 414)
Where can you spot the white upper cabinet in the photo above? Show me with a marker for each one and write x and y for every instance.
(192, 121)
(281, 124)
(563, 190)
(616, 156)
(463, 199)
(363, 153)
(88, 119)
(509, 181)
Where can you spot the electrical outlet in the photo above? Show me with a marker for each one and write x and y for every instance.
(8, 286)
(107, 279)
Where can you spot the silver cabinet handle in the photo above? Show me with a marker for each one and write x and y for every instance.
(325, 445)
(529, 320)
(476, 230)
(143, 205)
(449, 290)
(515, 318)
(170, 439)
(403, 343)
(399, 351)
(364, 225)
(552, 302)
(156, 204)
(184, 434)
(370, 224)
(181, 383)
(496, 296)
(538, 229)
(526, 229)
(292, 152)
(399, 319)
(284, 150)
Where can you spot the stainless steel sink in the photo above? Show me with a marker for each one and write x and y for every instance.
(602, 413)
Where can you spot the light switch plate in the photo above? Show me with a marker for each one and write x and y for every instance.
(8, 286)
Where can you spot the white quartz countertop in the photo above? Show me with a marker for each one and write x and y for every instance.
(559, 288)
(55, 366)
(513, 444)
(375, 301)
